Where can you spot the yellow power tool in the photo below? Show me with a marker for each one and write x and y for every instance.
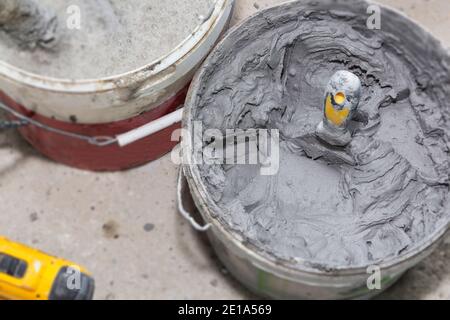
(28, 274)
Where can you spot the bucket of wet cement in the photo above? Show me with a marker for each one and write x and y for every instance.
(80, 73)
(320, 228)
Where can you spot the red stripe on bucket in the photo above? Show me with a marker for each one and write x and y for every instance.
(80, 154)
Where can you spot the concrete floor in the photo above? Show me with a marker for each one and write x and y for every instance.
(124, 226)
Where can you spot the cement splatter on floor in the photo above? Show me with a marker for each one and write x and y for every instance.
(148, 227)
(111, 230)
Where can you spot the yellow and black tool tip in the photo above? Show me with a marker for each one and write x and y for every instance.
(62, 290)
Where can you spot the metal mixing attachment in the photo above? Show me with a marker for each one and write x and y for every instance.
(342, 97)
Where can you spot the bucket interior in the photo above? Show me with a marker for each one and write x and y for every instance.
(100, 39)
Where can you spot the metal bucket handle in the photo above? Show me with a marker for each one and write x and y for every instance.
(122, 140)
(185, 213)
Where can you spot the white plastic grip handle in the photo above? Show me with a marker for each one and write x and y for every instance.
(150, 128)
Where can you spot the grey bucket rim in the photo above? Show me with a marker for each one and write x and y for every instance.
(259, 257)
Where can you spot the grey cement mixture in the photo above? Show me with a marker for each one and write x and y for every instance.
(271, 73)
(28, 24)
(115, 36)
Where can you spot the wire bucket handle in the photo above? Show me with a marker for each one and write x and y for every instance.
(122, 140)
(182, 191)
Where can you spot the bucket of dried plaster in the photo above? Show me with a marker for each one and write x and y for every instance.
(92, 70)
(320, 228)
